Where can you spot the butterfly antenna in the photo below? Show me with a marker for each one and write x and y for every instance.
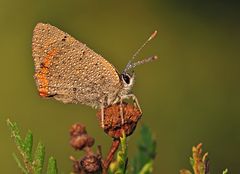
(130, 65)
(149, 59)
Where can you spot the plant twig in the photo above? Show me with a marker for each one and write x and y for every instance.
(109, 158)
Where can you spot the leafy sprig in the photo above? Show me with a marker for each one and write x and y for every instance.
(31, 163)
(199, 162)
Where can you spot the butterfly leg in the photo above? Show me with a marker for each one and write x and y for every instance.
(102, 115)
(121, 110)
(136, 104)
(135, 100)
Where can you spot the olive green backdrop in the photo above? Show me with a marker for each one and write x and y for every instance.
(190, 95)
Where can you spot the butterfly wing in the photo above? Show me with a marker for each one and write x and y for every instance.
(69, 71)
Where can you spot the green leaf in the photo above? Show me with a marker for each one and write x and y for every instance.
(19, 164)
(39, 158)
(122, 156)
(52, 166)
(225, 171)
(28, 143)
(146, 151)
(191, 161)
(147, 168)
(119, 166)
(15, 133)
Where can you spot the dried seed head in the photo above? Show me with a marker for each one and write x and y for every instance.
(113, 123)
(91, 164)
(79, 137)
(77, 129)
(81, 142)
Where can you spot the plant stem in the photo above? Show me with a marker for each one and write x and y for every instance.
(112, 151)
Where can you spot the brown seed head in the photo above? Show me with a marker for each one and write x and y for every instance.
(79, 137)
(77, 129)
(112, 119)
(91, 164)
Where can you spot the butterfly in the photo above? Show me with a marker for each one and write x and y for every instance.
(70, 72)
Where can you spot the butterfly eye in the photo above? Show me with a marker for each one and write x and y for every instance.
(126, 78)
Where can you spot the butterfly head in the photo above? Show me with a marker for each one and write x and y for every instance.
(128, 75)
(127, 79)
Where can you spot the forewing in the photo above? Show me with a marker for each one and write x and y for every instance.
(68, 70)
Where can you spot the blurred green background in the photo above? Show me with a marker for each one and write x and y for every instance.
(190, 95)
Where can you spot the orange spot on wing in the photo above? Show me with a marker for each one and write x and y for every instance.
(41, 76)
